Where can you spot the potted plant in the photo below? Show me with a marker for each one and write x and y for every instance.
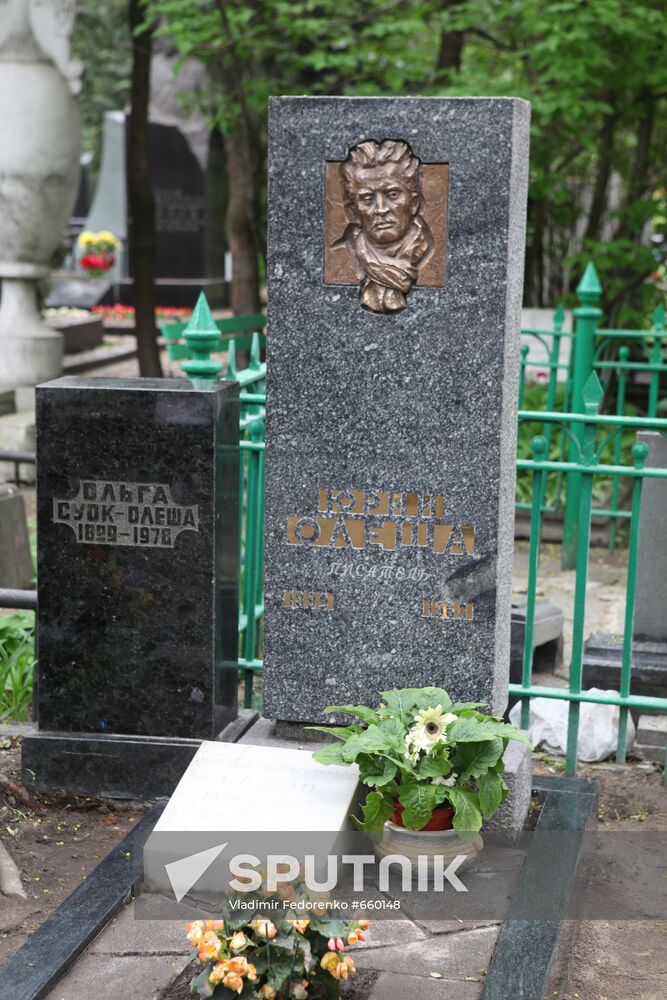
(281, 960)
(429, 763)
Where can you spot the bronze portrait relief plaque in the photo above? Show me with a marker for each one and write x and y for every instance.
(385, 223)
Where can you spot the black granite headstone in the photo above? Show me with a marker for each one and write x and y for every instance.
(179, 189)
(138, 561)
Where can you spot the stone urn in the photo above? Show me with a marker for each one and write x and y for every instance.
(39, 172)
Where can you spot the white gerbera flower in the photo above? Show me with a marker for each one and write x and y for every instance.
(430, 725)
(449, 781)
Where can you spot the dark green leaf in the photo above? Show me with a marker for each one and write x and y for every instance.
(419, 800)
(491, 793)
(467, 814)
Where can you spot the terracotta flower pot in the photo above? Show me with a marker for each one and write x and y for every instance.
(441, 818)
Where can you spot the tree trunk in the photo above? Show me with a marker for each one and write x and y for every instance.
(140, 197)
(241, 228)
(605, 162)
(450, 52)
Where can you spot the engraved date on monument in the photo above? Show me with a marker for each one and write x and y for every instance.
(318, 600)
(106, 512)
(447, 610)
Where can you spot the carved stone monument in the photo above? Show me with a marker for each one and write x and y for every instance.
(39, 170)
(137, 518)
(396, 244)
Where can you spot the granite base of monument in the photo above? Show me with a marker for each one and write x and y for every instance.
(114, 767)
(602, 666)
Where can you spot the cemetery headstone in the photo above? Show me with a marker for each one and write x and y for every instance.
(602, 652)
(183, 232)
(396, 244)
(16, 569)
(137, 574)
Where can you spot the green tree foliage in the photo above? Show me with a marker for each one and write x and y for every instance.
(101, 40)
(594, 71)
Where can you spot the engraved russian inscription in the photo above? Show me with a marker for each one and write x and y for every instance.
(106, 512)
(385, 223)
(359, 519)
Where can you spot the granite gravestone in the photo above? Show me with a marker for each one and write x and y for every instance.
(186, 242)
(138, 558)
(396, 244)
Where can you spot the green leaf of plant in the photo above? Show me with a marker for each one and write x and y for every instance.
(377, 810)
(491, 793)
(382, 778)
(279, 970)
(431, 697)
(372, 740)
(470, 730)
(470, 760)
(418, 799)
(467, 814)
(340, 732)
(434, 767)
(401, 703)
(362, 712)
(201, 984)
(330, 754)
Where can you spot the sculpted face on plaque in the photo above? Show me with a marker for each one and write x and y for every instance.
(386, 242)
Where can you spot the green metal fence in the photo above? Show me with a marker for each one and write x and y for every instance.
(593, 433)
(618, 356)
(569, 446)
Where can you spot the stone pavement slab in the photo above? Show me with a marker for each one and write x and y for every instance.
(127, 936)
(391, 987)
(110, 977)
(452, 956)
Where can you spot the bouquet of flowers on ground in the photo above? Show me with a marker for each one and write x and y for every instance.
(99, 251)
(431, 764)
(266, 948)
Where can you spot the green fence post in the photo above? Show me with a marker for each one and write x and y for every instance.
(201, 336)
(587, 314)
(639, 455)
(591, 398)
(623, 356)
(655, 358)
(540, 448)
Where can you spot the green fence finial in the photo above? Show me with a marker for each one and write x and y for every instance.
(659, 318)
(202, 336)
(592, 393)
(589, 288)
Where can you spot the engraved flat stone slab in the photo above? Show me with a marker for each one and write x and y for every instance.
(396, 245)
(282, 789)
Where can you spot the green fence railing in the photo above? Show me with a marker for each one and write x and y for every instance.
(580, 441)
(618, 356)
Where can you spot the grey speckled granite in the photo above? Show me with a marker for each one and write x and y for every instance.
(422, 401)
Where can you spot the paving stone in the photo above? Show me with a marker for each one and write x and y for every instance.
(383, 933)
(110, 977)
(127, 935)
(391, 987)
(454, 926)
(453, 956)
